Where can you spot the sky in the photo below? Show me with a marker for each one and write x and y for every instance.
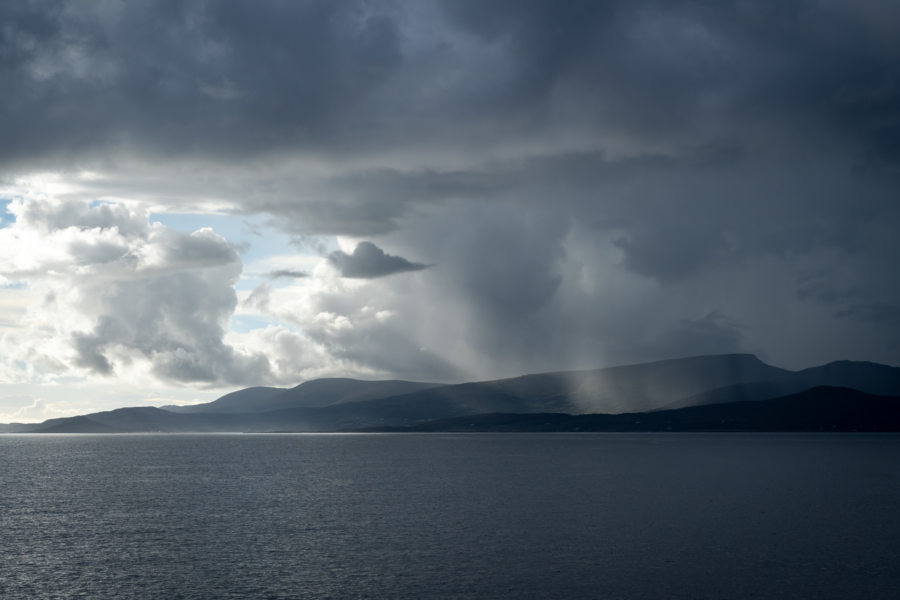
(201, 196)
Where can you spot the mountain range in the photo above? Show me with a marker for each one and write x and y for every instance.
(731, 392)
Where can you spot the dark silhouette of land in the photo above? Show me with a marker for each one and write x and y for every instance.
(732, 392)
(818, 409)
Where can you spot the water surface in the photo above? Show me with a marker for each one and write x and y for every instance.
(450, 516)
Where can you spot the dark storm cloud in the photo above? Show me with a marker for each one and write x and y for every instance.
(239, 79)
(368, 261)
(876, 312)
(364, 215)
(191, 78)
(608, 172)
(669, 254)
(672, 215)
(714, 333)
(848, 302)
(663, 69)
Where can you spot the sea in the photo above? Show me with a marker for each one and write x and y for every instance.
(409, 516)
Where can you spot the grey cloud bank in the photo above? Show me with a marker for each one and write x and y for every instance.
(596, 182)
(368, 261)
(236, 80)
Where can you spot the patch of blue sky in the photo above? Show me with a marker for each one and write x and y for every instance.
(6, 217)
(247, 323)
(246, 284)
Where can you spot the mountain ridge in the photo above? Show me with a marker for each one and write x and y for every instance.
(334, 404)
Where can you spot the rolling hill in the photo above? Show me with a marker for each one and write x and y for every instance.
(728, 382)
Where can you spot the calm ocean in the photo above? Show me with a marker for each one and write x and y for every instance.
(450, 516)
